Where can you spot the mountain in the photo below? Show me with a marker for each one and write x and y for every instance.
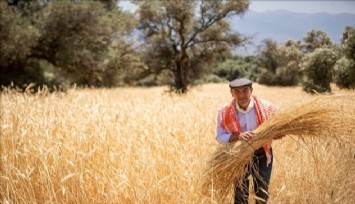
(282, 25)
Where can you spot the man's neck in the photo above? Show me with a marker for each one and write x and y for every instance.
(246, 109)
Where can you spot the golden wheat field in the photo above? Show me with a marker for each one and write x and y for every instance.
(143, 145)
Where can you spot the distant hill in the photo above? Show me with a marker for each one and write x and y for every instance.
(281, 25)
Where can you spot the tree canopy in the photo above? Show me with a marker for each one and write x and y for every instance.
(183, 36)
(63, 42)
(345, 66)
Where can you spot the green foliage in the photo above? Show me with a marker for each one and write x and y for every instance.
(269, 55)
(317, 68)
(214, 79)
(90, 43)
(184, 37)
(81, 43)
(267, 78)
(345, 67)
(65, 42)
(210, 78)
(348, 42)
(288, 75)
(280, 62)
(17, 36)
(229, 70)
(236, 67)
(345, 73)
(315, 39)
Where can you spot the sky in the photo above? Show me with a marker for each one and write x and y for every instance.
(316, 6)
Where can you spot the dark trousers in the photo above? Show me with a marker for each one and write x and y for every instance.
(261, 179)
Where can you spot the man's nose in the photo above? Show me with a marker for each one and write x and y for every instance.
(241, 94)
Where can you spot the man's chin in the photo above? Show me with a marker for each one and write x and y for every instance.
(242, 105)
(242, 102)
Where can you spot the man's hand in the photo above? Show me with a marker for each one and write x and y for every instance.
(247, 136)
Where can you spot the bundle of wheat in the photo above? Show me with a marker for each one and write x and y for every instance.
(324, 117)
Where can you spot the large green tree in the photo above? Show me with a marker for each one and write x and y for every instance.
(345, 66)
(17, 37)
(269, 55)
(317, 67)
(288, 72)
(315, 39)
(280, 63)
(74, 38)
(65, 42)
(184, 35)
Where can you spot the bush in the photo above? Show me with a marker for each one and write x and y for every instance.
(267, 78)
(317, 68)
(214, 79)
(238, 67)
(345, 73)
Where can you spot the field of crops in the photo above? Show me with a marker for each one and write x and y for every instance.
(144, 145)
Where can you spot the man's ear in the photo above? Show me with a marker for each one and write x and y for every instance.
(230, 90)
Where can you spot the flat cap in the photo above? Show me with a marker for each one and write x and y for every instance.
(240, 83)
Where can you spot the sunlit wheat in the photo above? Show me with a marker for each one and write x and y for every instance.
(143, 145)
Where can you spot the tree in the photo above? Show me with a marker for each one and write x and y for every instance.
(317, 68)
(348, 42)
(315, 39)
(234, 67)
(81, 43)
(182, 35)
(345, 66)
(280, 63)
(345, 73)
(317, 65)
(17, 37)
(290, 55)
(269, 55)
(65, 42)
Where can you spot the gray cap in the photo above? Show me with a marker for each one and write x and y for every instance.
(240, 83)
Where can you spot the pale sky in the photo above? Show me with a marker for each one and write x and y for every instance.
(315, 6)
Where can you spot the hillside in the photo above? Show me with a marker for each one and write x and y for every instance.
(281, 25)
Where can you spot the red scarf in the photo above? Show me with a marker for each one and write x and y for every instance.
(263, 109)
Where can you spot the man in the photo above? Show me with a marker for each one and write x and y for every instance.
(237, 121)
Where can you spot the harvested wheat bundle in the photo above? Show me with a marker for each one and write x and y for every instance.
(324, 117)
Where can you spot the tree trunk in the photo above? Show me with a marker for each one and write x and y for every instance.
(180, 69)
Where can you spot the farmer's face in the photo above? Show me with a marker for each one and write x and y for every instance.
(242, 95)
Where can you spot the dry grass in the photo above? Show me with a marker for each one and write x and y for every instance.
(143, 146)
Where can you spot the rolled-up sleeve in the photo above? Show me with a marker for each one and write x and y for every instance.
(222, 136)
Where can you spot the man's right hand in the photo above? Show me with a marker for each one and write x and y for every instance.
(247, 136)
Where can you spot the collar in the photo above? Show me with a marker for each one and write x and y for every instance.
(250, 106)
